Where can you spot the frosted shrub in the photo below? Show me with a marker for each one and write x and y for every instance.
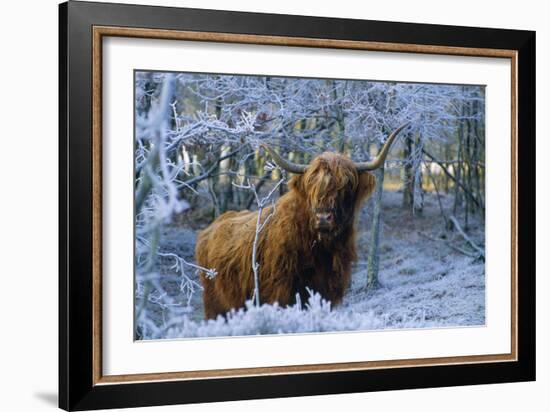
(317, 316)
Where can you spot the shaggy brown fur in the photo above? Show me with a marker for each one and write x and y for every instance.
(293, 252)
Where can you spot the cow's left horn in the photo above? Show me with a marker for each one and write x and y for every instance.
(283, 163)
(381, 158)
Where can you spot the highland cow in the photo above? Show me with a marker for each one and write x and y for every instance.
(309, 242)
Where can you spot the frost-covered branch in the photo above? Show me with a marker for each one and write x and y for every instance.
(261, 203)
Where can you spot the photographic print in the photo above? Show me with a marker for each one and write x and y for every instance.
(274, 205)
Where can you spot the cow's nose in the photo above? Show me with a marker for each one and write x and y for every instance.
(324, 218)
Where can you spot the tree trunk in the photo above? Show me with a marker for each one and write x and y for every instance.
(225, 186)
(447, 156)
(407, 175)
(373, 253)
(457, 168)
(417, 183)
(468, 165)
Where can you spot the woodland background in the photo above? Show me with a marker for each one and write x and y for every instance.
(421, 235)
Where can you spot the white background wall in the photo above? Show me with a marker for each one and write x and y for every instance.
(28, 205)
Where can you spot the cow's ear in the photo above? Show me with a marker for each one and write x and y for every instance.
(366, 185)
(296, 183)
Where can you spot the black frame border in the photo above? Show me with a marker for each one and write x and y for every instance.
(76, 388)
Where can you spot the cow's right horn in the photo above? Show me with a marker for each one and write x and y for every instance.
(381, 158)
(283, 163)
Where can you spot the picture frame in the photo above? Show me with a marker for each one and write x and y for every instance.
(83, 27)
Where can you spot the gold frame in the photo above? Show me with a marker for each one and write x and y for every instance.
(102, 31)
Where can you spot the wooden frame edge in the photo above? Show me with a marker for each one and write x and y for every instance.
(98, 32)
(297, 369)
(514, 218)
(97, 229)
(297, 41)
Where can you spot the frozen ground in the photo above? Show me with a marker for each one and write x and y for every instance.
(424, 282)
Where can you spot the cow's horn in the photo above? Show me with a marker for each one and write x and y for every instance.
(283, 163)
(380, 159)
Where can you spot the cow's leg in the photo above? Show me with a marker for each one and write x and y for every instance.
(212, 305)
(279, 290)
(212, 309)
